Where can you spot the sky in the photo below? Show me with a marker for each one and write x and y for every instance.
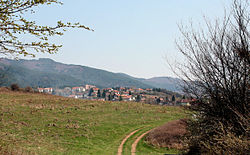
(135, 37)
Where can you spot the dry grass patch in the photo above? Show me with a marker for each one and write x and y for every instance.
(168, 135)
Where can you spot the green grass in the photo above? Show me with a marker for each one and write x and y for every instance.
(130, 141)
(45, 124)
(144, 148)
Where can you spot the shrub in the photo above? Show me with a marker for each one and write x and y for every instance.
(169, 135)
(28, 89)
(15, 87)
(216, 71)
(216, 139)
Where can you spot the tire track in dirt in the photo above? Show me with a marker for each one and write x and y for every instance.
(133, 149)
(120, 148)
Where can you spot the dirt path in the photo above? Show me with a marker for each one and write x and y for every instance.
(119, 152)
(133, 149)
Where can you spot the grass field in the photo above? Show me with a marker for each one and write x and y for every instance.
(145, 149)
(45, 124)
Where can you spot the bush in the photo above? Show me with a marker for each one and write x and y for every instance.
(28, 89)
(216, 71)
(15, 87)
(168, 135)
(215, 139)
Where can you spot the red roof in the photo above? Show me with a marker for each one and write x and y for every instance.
(95, 88)
(126, 96)
(76, 87)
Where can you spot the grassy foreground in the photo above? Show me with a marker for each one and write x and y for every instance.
(45, 124)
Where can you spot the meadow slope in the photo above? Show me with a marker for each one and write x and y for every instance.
(46, 124)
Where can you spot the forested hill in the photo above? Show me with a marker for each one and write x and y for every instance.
(45, 72)
(169, 83)
(48, 73)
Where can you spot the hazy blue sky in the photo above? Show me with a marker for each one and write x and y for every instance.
(131, 36)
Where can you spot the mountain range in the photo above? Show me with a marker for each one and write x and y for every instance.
(46, 72)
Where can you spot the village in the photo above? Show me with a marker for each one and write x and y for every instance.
(149, 95)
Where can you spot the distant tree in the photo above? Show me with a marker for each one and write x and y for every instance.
(14, 25)
(110, 97)
(15, 87)
(173, 98)
(183, 97)
(158, 100)
(130, 93)
(91, 91)
(113, 96)
(138, 98)
(103, 94)
(28, 89)
(99, 93)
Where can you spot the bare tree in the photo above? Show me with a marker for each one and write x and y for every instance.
(217, 72)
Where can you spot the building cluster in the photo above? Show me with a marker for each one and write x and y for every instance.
(91, 92)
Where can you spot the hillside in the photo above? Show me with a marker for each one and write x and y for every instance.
(46, 124)
(48, 73)
(169, 83)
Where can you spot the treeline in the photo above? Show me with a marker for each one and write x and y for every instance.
(167, 92)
